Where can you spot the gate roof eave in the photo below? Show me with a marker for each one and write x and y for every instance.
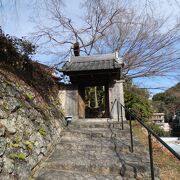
(105, 62)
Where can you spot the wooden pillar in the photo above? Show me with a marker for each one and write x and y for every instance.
(81, 102)
(107, 100)
(116, 93)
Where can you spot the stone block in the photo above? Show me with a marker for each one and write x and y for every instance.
(2, 145)
(2, 130)
(8, 165)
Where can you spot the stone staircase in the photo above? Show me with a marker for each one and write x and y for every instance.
(95, 150)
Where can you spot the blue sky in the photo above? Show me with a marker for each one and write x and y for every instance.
(19, 22)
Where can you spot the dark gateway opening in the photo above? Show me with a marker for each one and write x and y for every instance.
(95, 102)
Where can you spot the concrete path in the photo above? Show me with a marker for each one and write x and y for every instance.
(95, 150)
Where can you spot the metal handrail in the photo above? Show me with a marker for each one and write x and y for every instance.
(150, 134)
(140, 120)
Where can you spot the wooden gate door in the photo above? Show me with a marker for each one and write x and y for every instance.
(81, 102)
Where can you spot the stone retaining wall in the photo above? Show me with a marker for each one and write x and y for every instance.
(28, 127)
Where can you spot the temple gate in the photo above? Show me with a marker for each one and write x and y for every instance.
(98, 71)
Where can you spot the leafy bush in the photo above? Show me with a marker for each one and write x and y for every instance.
(16, 55)
(137, 100)
(15, 51)
(158, 130)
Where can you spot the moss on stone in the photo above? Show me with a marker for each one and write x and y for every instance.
(29, 96)
(29, 144)
(20, 156)
(15, 145)
(42, 131)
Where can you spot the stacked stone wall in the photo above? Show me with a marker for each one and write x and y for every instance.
(29, 127)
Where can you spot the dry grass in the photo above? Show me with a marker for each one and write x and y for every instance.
(168, 165)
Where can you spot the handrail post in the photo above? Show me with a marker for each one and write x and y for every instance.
(131, 134)
(122, 122)
(118, 110)
(151, 155)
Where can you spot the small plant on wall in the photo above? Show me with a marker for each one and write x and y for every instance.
(42, 131)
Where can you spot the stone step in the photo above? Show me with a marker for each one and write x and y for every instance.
(101, 146)
(121, 144)
(99, 124)
(134, 162)
(99, 140)
(96, 132)
(51, 174)
(85, 161)
(90, 144)
(100, 162)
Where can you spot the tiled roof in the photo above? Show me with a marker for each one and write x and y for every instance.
(98, 62)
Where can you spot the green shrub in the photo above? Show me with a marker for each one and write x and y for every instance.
(139, 104)
(158, 130)
(15, 56)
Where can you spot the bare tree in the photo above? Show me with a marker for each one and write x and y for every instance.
(98, 19)
(148, 49)
(146, 45)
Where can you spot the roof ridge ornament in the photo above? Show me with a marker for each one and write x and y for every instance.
(116, 55)
(97, 57)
